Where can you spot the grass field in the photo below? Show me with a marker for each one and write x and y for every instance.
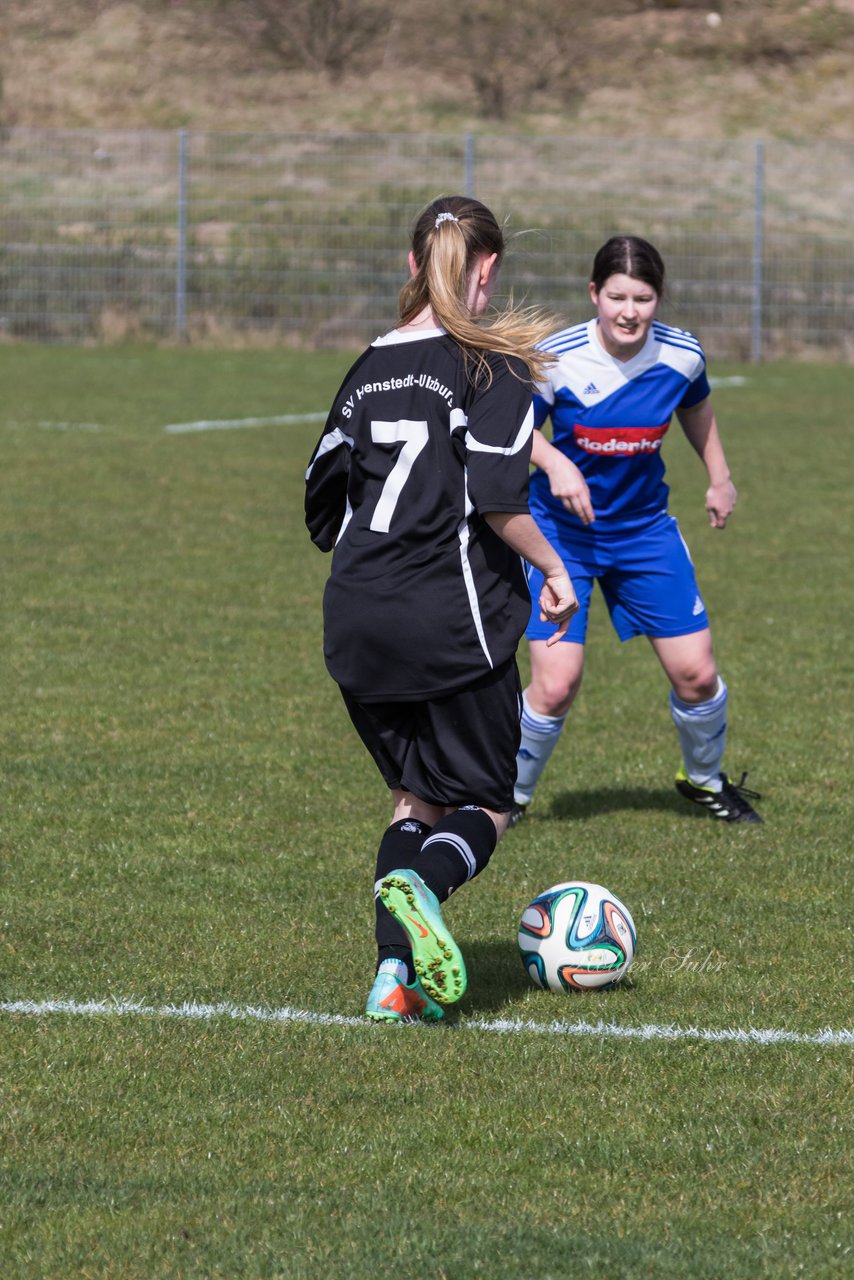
(188, 829)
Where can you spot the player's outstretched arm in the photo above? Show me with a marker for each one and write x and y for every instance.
(701, 428)
(557, 599)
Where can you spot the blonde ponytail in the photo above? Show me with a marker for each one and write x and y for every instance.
(448, 238)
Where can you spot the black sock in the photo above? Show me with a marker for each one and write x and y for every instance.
(399, 847)
(457, 849)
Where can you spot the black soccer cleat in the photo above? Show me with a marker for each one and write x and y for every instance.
(730, 804)
(516, 814)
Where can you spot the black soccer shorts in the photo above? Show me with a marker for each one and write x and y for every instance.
(453, 750)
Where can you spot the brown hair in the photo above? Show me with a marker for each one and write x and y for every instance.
(446, 250)
(629, 256)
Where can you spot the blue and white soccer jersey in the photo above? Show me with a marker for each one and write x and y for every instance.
(610, 418)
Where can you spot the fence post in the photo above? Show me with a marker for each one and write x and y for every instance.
(468, 180)
(758, 253)
(181, 254)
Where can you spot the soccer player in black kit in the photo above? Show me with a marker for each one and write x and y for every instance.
(420, 484)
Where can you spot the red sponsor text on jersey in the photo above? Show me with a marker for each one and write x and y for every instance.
(623, 442)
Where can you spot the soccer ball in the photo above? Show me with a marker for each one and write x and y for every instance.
(576, 937)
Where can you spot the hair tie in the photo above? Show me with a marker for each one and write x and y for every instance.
(445, 217)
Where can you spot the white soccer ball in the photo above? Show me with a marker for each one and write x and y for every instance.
(576, 936)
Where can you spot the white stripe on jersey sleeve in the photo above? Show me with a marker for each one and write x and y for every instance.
(522, 437)
(559, 345)
(679, 350)
(332, 440)
(676, 337)
(567, 339)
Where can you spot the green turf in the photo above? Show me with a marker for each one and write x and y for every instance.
(188, 816)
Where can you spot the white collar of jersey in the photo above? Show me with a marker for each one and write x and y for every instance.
(681, 352)
(647, 355)
(416, 335)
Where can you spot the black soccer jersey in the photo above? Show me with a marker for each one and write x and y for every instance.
(423, 596)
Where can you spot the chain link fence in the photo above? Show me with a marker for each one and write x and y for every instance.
(302, 238)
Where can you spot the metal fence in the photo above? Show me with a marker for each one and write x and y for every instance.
(303, 237)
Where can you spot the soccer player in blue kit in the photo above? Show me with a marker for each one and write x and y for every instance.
(600, 497)
(419, 483)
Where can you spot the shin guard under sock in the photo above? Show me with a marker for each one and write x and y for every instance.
(456, 850)
(702, 736)
(399, 847)
(540, 735)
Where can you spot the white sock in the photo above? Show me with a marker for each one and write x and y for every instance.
(702, 736)
(539, 738)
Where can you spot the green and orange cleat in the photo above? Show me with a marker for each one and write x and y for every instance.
(392, 999)
(437, 958)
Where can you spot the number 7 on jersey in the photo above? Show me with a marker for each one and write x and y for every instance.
(414, 437)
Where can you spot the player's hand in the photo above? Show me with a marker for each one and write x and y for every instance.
(720, 501)
(569, 486)
(558, 603)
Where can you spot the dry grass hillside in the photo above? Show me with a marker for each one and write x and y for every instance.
(669, 71)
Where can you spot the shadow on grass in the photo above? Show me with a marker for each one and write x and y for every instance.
(589, 804)
(497, 979)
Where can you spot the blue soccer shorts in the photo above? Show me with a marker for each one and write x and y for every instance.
(646, 576)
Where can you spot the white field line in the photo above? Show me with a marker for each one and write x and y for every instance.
(502, 1026)
(69, 426)
(212, 424)
(236, 424)
(283, 419)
